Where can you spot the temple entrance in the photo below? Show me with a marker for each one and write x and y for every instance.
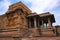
(41, 24)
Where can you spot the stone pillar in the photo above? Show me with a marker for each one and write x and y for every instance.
(49, 23)
(42, 24)
(36, 32)
(50, 28)
(35, 25)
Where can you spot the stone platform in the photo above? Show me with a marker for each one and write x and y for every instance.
(33, 38)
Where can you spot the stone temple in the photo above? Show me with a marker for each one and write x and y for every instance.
(19, 22)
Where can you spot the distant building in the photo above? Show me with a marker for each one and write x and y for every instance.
(19, 21)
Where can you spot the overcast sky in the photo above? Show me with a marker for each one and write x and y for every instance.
(39, 6)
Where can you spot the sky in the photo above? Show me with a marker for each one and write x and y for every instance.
(38, 6)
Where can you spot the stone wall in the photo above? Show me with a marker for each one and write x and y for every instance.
(11, 24)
